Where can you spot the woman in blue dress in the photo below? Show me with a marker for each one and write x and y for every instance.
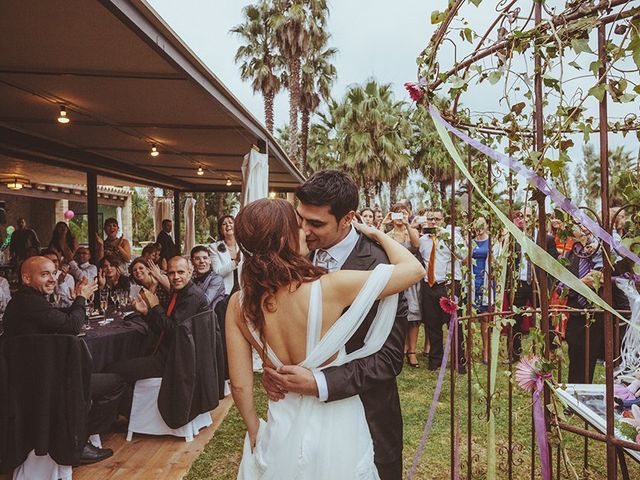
(480, 254)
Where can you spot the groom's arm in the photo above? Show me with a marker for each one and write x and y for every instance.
(360, 375)
(353, 378)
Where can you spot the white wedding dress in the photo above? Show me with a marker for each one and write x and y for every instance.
(304, 438)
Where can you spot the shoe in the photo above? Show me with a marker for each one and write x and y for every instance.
(412, 364)
(433, 367)
(425, 354)
(91, 454)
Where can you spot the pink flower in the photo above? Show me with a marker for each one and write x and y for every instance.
(528, 375)
(415, 91)
(448, 306)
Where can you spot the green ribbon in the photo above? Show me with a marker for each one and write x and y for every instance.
(536, 254)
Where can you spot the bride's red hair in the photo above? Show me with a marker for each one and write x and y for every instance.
(268, 234)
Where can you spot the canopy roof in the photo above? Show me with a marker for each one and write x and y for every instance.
(127, 82)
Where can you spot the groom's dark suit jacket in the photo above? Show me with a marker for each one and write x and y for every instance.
(374, 377)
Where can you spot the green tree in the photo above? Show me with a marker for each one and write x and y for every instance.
(318, 74)
(258, 57)
(372, 135)
(298, 24)
(141, 220)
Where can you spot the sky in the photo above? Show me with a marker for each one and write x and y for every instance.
(374, 38)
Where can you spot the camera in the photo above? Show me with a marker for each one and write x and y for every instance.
(396, 216)
(420, 219)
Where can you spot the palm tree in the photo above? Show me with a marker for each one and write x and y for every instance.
(259, 59)
(372, 136)
(317, 76)
(430, 157)
(296, 24)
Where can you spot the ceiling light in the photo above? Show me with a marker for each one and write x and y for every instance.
(154, 150)
(62, 118)
(200, 171)
(15, 182)
(228, 182)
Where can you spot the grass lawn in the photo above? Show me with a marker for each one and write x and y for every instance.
(222, 455)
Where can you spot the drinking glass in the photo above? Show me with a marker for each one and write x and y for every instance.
(104, 301)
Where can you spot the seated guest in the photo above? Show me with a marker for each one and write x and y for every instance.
(30, 313)
(152, 252)
(186, 301)
(168, 247)
(63, 293)
(204, 277)
(63, 241)
(110, 276)
(82, 268)
(148, 275)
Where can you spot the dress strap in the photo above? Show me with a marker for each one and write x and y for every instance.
(314, 317)
(270, 354)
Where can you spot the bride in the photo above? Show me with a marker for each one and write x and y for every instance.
(296, 313)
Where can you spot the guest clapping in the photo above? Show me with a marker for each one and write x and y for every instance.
(148, 275)
(110, 276)
(113, 245)
(62, 295)
(81, 268)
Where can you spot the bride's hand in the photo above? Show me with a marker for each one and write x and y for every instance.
(370, 232)
(253, 434)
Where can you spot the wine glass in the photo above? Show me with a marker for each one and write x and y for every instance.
(104, 301)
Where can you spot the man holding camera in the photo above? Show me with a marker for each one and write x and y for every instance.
(436, 250)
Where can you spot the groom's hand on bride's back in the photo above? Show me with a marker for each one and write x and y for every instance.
(290, 378)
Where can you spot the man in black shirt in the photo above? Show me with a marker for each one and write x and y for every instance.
(23, 239)
(169, 249)
(29, 312)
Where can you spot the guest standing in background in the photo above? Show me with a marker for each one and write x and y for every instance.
(23, 239)
(113, 245)
(168, 247)
(226, 256)
(367, 216)
(63, 241)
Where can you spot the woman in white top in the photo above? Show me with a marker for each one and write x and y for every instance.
(226, 258)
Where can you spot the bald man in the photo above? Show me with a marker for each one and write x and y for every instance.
(30, 312)
(186, 300)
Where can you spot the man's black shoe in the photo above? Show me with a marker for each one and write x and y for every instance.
(433, 367)
(91, 454)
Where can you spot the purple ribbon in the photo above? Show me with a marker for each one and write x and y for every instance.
(541, 184)
(436, 396)
(541, 430)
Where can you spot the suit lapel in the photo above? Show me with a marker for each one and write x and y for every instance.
(360, 257)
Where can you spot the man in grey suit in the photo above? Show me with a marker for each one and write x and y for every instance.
(328, 201)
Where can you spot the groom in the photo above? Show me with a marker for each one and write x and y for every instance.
(328, 201)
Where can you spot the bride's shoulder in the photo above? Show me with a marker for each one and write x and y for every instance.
(343, 282)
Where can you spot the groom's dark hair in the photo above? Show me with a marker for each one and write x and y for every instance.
(330, 187)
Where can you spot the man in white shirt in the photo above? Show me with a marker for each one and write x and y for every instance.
(328, 201)
(435, 248)
(82, 268)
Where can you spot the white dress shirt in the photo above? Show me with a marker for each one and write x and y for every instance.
(65, 288)
(224, 265)
(338, 255)
(86, 270)
(443, 254)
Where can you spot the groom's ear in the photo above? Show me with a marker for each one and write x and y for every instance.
(347, 219)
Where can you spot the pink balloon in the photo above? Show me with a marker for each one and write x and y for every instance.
(68, 215)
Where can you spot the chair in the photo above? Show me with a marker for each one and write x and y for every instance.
(145, 416)
(43, 377)
(179, 403)
(42, 467)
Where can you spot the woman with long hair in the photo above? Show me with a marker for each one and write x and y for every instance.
(148, 275)
(226, 258)
(63, 241)
(296, 313)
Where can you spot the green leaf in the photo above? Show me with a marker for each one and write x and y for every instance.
(437, 17)
(598, 91)
(580, 45)
(594, 67)
(551, 82)
(555, 167)
(468, 35)
(575, 65)
(637, 89)
(494, 77)
(476, 2)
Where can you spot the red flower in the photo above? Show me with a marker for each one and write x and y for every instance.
(415, 91)
(448, 306)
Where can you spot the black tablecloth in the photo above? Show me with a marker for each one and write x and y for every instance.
(120, 340)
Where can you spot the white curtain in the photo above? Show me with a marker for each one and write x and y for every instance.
(189, 225)
(162, 210)
(255, 174)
